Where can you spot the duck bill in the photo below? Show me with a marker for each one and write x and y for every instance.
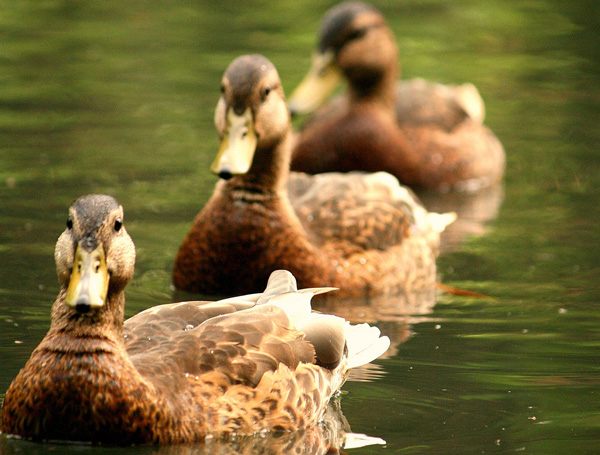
(238, 145)
(88, 284)
(322, 78)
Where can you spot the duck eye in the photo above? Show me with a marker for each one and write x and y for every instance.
(266, 91)
(118, 224)
(69, 223)
(222, 88)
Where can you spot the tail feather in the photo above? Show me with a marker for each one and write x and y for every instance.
(282, 291)
(439, 221)
(326, 332)
(365, 344)
(280, 281)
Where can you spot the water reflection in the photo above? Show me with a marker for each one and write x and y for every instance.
(393, 314)
(475, 212)
(331, 436)
(118, 97)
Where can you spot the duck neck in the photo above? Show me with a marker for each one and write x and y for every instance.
(269, 172)
(378, 85)
(86, 330)
(381, 91)
(81, 385)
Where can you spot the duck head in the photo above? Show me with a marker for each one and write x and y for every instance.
(355, 43)
(251, 114)
(95, 255)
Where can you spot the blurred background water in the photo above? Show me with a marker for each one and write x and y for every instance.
(118, 97)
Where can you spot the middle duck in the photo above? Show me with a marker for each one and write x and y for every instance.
(362, 233)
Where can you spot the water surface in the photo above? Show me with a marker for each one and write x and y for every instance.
(118, 98)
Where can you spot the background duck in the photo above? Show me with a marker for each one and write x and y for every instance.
(364, 234)
(178, 372)
(428, 135)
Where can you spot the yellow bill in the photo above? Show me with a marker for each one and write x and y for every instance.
(238, 145)
(322, 78)
(88, 285)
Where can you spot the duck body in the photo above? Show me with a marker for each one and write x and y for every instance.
(238, 238)
(82, 390)
(177, 372)
(359, 137)
(428, 135)
(368, 241)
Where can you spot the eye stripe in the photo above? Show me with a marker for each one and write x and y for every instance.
(359, 33)
(356, 34)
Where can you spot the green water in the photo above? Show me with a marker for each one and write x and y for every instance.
(118, 97)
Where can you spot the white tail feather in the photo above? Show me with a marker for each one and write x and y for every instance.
(280, 282)
(365, 344)
(296, 305)
(249, 298)
(439, 221)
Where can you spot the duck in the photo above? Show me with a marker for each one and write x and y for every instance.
(362, 233)
(177, 372)
(429, 135)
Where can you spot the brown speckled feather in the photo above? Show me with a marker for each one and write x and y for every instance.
(241, 346)
(328, 438)
(357, 209)
(178, 372)
(428, 135)
(223, 363)
(364, 234)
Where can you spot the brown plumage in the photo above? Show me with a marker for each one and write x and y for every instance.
(364, 234)
(178, 372)
(426, 134)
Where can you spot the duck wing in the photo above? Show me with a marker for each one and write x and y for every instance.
(367, 211)
(236, 340)
(421, 102)
(263, 361)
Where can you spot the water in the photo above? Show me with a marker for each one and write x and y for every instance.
(118, 98)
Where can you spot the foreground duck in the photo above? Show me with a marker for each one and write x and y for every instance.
(426, 134)
(178, 372)
(364, 234)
